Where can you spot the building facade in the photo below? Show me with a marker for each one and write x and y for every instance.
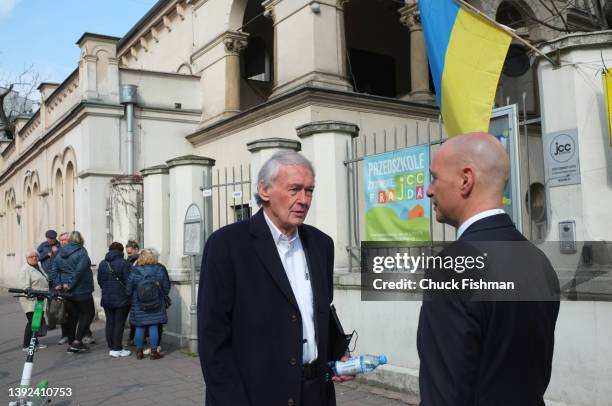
(187, 105)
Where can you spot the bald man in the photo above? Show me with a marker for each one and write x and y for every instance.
(476, 352)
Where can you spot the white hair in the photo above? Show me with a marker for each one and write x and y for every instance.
(269, 170)
(154, 252)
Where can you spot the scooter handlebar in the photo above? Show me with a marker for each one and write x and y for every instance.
(29, 292)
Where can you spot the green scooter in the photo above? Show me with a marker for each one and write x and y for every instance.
(39, 395)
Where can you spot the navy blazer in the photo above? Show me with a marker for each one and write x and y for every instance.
(249, 323)
(485, 352)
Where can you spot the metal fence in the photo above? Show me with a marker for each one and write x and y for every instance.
(230, 195)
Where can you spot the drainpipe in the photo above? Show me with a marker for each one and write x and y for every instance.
(128, 97)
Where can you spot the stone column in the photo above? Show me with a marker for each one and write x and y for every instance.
(186, 174)
(309, 44)
(156, 210)
(218, 63)
(185, 177)
(261, 150)
(325, 144)
(234, 43)
(419, 68)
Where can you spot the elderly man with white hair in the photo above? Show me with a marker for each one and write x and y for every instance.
(264, 299)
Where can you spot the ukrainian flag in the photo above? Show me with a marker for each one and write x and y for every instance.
(466, 54)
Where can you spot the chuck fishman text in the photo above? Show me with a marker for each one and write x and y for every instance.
(429, 284)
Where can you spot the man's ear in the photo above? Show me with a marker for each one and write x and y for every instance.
(263, 191)
(468, 180)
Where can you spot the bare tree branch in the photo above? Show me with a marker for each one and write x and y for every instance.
(559, 14)
(17, 97)
(4, 120)
(529, 15)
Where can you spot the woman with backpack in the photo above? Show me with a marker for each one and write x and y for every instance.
(112, 277)
(148, 286)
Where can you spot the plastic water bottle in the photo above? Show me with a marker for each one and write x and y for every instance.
(358, 365)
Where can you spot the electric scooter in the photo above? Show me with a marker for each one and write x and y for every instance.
(39, 395)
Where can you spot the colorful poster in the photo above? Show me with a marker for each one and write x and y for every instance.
(396, 204)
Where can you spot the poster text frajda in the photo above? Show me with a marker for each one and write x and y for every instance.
(396, 204)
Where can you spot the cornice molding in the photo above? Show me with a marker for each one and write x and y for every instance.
(271, 143)
(309, 96)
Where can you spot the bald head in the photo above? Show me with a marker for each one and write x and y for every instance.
(468, 176)
(485, 153)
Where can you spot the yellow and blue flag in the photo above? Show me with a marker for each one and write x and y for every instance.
(466, 54)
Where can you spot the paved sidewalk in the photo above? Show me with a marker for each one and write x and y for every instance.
(97, 379)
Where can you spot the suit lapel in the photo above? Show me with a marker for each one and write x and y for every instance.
(268, 255)
(317, 282)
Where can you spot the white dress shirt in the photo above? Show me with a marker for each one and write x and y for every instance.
(292, 256)
(475, 218)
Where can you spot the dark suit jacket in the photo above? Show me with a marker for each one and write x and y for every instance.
(249, 323)
(485, 352)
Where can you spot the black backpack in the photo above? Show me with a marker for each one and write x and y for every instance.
(149, 294)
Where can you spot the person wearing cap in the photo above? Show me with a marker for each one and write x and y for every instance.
(47, 250)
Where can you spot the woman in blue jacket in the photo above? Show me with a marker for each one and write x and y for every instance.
(71, 271)
(148, 287)
(113, 274)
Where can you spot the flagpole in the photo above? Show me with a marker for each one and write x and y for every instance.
(508, 30)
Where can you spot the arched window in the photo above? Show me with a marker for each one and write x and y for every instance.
(11, 223)
(58, 194)
(257, 60)
(36, 214)
(29, 218)
(508, 15)
(378, 58)
(69, 197)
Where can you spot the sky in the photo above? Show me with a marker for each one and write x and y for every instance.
(42, 33)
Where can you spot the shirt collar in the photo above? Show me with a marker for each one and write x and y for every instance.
(475, 218)
(277, 236)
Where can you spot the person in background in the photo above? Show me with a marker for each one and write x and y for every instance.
(132, 249)
(72, 273)
(47, 250)
(147, 285)
(34, 277)
(160, 327)
(63, 240)
(112, 278)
